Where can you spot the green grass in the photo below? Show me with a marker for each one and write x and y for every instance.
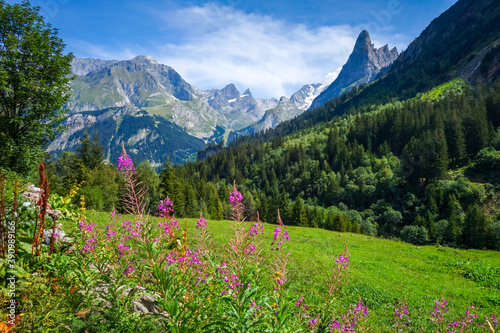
(380, 271)
(164, 111)
(454, 86)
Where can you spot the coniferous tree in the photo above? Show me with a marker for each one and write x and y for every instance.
(419, 221)
(452, 231)
(192, 209)
(96, 157)
(167, 180)
(179, 198)
(476, 127)
(338, 223)
(299, 213)
(151, 181)
(475, 226)
(85, 149)
(90, 151)
(456, 139)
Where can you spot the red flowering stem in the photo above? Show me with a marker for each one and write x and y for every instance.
(15, 210)
(3, 220)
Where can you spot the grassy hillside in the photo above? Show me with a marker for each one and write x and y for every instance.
(380, 271)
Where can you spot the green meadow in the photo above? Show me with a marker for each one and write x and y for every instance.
(380, 271)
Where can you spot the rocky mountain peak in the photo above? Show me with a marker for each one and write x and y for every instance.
(230, 91)
(363, 66)
(144, 59)
(284, 99)
(306, 95)
(363, 42)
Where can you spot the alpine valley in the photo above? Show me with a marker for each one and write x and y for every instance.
(159, 116)
(371, 203)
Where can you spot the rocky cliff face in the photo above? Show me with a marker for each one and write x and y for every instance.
(306, 95)
(83, 66)
(363, 66)
(462, 42)
(240, 109)
(141, 82)
(285, 110)
(146, 137)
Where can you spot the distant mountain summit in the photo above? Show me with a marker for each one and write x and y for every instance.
(306, 95)
(363, 66)
(285, 110)
(239, 109)
(140, 82)
(83, 66)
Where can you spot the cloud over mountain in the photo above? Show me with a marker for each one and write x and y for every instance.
(271, 57)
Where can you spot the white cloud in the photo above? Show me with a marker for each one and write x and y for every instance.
(211, 46)
(273, 58)
(87, 49)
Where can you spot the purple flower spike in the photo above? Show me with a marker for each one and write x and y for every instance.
(235, 197)
(125, 163)
(201, 223)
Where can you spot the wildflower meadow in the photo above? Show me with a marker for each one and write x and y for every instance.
(146, 271)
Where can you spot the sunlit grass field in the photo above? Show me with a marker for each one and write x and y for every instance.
(380, 271)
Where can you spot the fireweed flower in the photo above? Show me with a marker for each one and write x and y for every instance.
(437, 313)
(312, 324)
(87, 227)
(128, 271)
(125, 163)
(121, 249)
(401, 314)
(90, 244)
(168, 226)
(165, 208)
(300, 301)
(352, 319)
(281, 259)
(257, 228)
(277, 231)
(110, 233)
(236, 205)
(279, 238)
(201, 223)
(254, 306)
(492, 320)
(341, 267)
(235, 197)
(466, 320)
(344, 261)
(438, 307)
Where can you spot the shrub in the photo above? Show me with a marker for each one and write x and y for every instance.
(487, 159)
(417, 235)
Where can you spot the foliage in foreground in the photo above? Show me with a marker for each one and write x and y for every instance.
(193, 284)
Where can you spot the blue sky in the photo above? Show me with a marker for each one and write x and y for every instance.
(272, 47)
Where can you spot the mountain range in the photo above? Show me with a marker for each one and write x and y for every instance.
(158, 115)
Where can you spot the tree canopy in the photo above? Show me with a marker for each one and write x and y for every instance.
(34, 79)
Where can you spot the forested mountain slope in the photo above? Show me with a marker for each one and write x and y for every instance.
(410, 155)
(462, 42)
